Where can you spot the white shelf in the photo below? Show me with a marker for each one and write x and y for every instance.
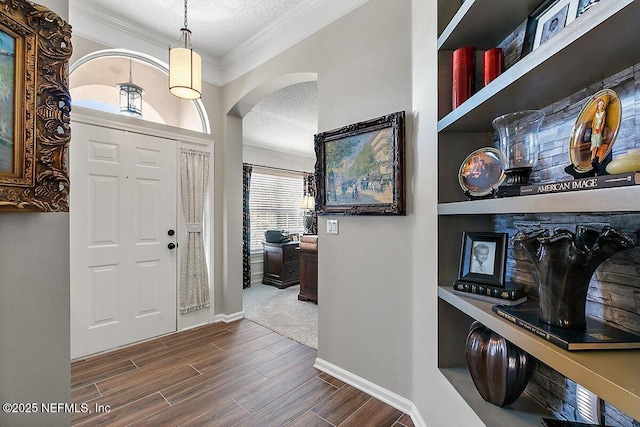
(522, 413)
(622, 199)
(484, 23)
(614, 375)
(558, 68)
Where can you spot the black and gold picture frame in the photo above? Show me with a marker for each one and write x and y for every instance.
(360, 168)
(483, 258)
(35, 105)
(546, 21)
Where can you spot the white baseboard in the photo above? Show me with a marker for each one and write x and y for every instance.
(193, 326)
(372, 389)
(227, 318)
(417, 419)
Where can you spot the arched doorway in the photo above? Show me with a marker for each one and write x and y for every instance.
(279, 120)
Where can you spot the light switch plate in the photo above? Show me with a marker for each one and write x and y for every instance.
(332, 226)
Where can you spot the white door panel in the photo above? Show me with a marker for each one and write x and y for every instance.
(123, 202)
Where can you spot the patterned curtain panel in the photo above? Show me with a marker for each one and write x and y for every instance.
(194, 282)
(246, 226)
(309, 182)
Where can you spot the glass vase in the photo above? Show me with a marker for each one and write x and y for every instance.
(518, 134)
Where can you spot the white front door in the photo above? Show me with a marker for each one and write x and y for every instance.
(122, 208)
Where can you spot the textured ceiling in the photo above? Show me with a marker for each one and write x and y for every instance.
(285, 120)
(217, 26)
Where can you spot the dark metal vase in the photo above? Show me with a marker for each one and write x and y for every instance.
(499, 369)
(564, 263)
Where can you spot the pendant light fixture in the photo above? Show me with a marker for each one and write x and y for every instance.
(185, 66)
(130, 97)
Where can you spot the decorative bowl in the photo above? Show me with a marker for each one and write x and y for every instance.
(627, 162)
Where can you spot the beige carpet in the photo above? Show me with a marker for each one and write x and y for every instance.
(282, 312)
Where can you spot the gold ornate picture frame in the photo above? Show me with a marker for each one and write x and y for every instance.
(35, 105)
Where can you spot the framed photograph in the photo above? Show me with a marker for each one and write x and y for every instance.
(547, 20)
(360, 168)
(483, 258)
(584, 5)
(35, 47)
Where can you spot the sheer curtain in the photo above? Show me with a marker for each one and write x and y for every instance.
(194, 283)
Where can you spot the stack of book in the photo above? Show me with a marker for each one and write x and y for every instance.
(596, 336)
(550, 422)
(510, 294)
(601, 181)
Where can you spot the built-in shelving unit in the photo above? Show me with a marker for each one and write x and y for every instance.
(621, 199)
(559, 68)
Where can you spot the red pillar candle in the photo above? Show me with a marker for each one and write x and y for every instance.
(464, 75)
(493, 64)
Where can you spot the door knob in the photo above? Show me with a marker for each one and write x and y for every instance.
(172, 245)
(171, 232)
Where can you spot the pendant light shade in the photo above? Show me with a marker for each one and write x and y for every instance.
(185, 66)
(185, 73)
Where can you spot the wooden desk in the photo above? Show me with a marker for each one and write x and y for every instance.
(308, 268)
(281, 264)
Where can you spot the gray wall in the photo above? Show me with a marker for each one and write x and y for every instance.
(364, 275)
(363, 62)
(34, 314)
(34, 307)
(378, 284)
(436, 400)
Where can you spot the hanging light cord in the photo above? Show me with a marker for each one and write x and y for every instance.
(185, 14)
(186, 33)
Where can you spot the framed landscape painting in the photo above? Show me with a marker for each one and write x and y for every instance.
(360, 168)
(35, 47)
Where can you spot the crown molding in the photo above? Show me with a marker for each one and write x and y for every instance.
(116, 32)
(302, 21)
(278, 159)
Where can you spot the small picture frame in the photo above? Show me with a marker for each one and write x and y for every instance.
(483, 258)
(546, 21)
(584, 5)
(360, 168)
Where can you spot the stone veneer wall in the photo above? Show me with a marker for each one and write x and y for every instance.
(614, 292)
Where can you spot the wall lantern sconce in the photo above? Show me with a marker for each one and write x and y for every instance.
(130, 97)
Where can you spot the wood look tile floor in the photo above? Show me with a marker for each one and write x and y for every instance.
(224, 374)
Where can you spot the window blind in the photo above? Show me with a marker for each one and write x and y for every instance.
(275, 198)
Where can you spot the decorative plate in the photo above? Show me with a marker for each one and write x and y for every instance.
(480, 173)
(589, 141)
